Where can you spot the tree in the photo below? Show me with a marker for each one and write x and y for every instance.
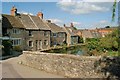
(114, 10)
(7, 47)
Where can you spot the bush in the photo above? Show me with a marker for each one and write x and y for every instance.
(17, 48)
(7, 47)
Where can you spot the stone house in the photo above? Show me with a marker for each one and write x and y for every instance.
(14, 30)
(106, 31)
(85, 33)
(72, 37)
(58, 35)
(27, 31)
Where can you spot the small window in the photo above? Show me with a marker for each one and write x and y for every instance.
(16, 42)
(30, 44)
(45, 33)
(30, 33)
(54, 35)
(45, 42)
(61, 35)
(16, 31)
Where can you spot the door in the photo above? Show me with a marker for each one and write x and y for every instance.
(40, 44)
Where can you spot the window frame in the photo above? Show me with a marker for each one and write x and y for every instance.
(31, 43)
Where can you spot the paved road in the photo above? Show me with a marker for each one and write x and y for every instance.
(11, 69)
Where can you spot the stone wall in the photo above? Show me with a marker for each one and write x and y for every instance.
(71, 66)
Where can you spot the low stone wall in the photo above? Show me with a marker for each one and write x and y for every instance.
(62, 64)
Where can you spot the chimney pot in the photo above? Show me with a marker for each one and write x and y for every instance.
(64, 25)
(71, 25)
(40, 14)
(13, 11)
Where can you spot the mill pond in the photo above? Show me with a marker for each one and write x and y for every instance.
(75, 50)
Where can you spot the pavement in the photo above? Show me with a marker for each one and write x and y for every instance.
(11, 69)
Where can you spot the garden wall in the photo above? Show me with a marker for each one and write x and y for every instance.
(62, 64)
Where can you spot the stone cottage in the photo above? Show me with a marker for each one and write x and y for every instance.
(27, 31)
(58, 34)
(72, 37)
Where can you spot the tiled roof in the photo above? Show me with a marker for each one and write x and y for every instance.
(71, 31)
(9, 21)
(55, 28)
(24, 21)
(27, 22)
(40, 23)
(96, 34)
(87, 34)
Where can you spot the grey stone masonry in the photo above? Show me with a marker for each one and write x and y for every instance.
(71, 66)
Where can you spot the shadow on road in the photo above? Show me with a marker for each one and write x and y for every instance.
(14, 54)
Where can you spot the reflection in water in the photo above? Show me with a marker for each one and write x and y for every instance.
(76, 50)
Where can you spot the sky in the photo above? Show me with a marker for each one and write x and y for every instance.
(84, 15)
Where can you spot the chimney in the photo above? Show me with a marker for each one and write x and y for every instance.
(13, 11)
(71, 25)
(40, 14)
(64, 25)
(49, 21)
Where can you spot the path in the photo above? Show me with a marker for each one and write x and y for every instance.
(11, 69)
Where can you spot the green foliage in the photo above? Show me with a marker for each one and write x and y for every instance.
(92, 43)
(7, 47)
(109, 43)
(80, 40)
(75, 28)
(17, 48)
(107, 27)
(114, 10)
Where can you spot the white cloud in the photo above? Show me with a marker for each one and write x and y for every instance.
(26, 13)
(82, 7)
(103, 22)
(76, 23)
(55, 20)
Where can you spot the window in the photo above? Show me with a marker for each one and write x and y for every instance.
(30, 33)
(40, 44)
(61, 35)
(16, 31)
(16, 42)
(45, 42)
(54, 35)
(45, 33)
(30, 44)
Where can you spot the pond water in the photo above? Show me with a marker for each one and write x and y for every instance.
(76, 50)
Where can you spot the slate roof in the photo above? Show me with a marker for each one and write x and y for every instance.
(9, 21)
(87, 34)
(91, 33)
(95, 34)
(71, 31)
(40, 23)
(55, 28)
(25, 21)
